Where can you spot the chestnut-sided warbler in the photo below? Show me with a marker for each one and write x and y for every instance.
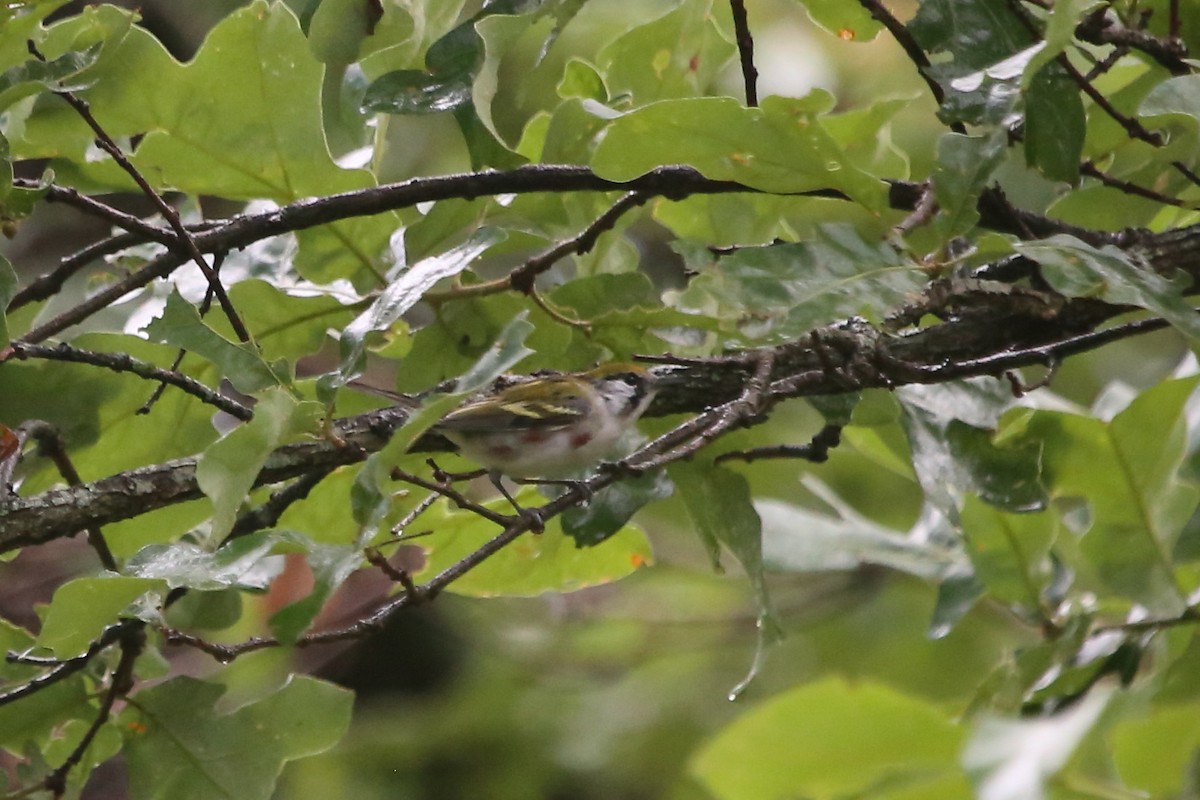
(551, 426)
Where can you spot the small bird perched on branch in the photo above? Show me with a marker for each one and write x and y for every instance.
(549, 427)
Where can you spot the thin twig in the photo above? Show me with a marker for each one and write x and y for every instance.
(1020, 387)
(745, 45)
(122, 362)
(1132, 126)
(1054, 351)
(1189, 616)
(913, 50)
(266, 515)
(132, 643)
(161, 389)
(1186, 172)
(673, 181)
(453, 495)
(184, 238)
(1105, 65)
(401, 576)
(52, 282)
(745, 410)
(411, 516)
(1103, 28)
(816, 451)
(1090, 169)
(203, 310)
(926, 208)
(65, 668)
(372, 622)
(126, 222)
(522, 278)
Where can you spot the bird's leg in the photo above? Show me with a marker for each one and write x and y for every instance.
(537, 523)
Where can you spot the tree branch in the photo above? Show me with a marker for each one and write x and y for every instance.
(122, 362)
(1007, 332)
(673, 182)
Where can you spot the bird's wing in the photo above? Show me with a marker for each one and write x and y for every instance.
(517, 410)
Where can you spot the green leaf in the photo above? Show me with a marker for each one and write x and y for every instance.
(452, 63)
(212, 137)
(612, 507)
(842, 740)
(797, 539)
(1055, 124)
(847, 21)
(105, 744)
(782, 291)
(406, 290)
(626, 317)
(965, 165)
(20, 23)
(463, 331)
(338, 27)
(204, 130)
(1012, 758)
(286, 326)
(957, 595)
(533, 564)
(55, 129)
(248, 562)
(1009, 686)
(1077, 269)
(724, 219)
(836, 409)
(1175, 100)
(36, 76)
(410, 91)
(181, 326)
(582, 80)
(978, 34)
(485, 146)
(1155, 749)
(865, 134)
(679, 54)
(574, 131)
(251, 563)
(719, 505)
(227, 469)
(207, 611)
(779, 147)
(950, 430)
(325, 517)
(178, 746)
(1127, 472)
(1010, 552)
(1059, 33)
(84, 607)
